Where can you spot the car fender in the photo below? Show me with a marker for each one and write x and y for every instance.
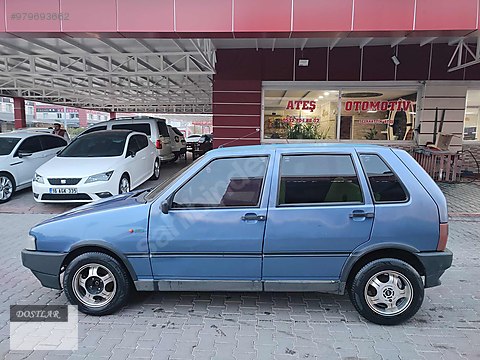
(366, 249)
(101, 244)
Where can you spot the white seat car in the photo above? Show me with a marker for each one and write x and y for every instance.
(21, 153)
(97, 165)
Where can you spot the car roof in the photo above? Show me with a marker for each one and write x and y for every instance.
(252, 149)
(101, 133)
(22, 134)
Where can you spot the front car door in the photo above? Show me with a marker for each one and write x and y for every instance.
(134, 164)
(214, 228)
(320, 210)
(25, 166)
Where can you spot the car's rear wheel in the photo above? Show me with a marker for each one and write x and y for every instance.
(387, 291)
(97, 283)
(156, 170)
(7, 187)
(124, 186)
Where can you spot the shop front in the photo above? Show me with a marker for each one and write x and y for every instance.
(296, 112)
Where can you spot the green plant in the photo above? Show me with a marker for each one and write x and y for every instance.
(371, 134)
(306, 131)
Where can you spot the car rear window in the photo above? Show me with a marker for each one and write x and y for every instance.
(142, 127)
(318, 179)
(163, 129)
(385, 185)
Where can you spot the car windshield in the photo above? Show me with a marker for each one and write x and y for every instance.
(97, 144)
(7, 144)
(159, 188)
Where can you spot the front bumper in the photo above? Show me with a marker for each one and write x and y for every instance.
(435, 264)
(45, 266)
(85, 192)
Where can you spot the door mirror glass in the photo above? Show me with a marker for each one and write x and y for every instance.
(131, 153)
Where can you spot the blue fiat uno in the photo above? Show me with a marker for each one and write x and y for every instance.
(335, 218)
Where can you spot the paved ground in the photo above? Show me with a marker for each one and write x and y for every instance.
(264, 325)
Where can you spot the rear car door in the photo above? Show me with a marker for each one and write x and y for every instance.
(320, 209)
(214, 229)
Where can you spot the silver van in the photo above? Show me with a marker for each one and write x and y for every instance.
(155, 128)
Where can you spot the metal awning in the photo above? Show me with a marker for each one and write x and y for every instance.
(148, 75)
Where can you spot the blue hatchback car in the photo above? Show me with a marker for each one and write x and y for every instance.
(335, 218)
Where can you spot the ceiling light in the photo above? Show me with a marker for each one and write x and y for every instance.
(320, 97)
(372, 111)
(326, 93)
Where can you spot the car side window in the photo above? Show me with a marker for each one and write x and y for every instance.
(227, 182)
(318, 179)
(52, 142)
(385, 185)
(30, 145)
(93, 129)
(132, 145)
(142, 127)
(142, 141)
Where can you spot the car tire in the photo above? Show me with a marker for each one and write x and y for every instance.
(175, 157)
(7, 187)
(156, 170)
(108, 283)
(387, 291)
(124, 185)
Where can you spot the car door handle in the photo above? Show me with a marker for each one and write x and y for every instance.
(362, 214)
(253, 216)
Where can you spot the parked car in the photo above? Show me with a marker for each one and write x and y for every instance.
(204, 144)
(155, 128)
(192, 140)
(96, 166)
(179, 146)
(333, 218)
(21, 153)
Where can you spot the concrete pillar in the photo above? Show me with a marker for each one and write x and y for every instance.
(19, 113)
(82, 118)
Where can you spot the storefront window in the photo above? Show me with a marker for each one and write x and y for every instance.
(387, 115)
(300, 114)
(472, 113)
(365, 114)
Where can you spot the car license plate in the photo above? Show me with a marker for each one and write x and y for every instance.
(63, 190)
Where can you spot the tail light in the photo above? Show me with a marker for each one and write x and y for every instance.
(442, 241)
(158, 144)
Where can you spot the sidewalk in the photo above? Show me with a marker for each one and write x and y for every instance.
(463, 199)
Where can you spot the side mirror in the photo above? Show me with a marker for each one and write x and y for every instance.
(131, 153)
(165, 207)
(22, 154)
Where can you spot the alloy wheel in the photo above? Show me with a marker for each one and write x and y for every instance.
(94, 285)
(388, 293)
(6, 188)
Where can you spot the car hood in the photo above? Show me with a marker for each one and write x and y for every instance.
(106, 221)
(74, 167)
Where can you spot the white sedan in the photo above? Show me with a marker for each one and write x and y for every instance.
(97, 165)
(21, 153)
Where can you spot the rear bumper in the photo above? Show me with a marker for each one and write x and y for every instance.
(45, 266)
(435, 264)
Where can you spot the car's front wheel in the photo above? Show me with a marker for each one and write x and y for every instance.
(97, 283)
(387, 291)
(124, 186)
(156, 170)
(7, 187)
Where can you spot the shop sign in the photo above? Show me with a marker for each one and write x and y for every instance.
(376, 121)
(301, 105)
(398, 105)
(296, 119)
